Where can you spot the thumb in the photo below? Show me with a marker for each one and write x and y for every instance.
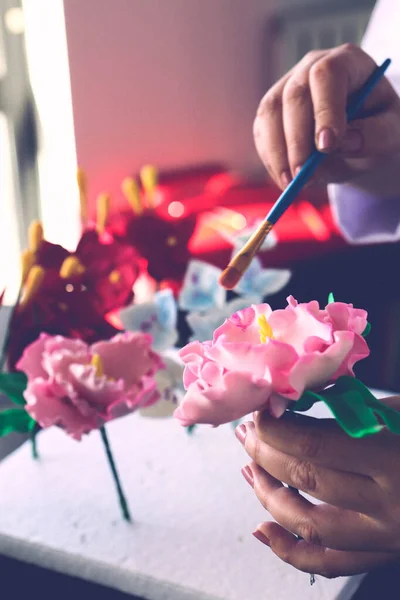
(372, 137)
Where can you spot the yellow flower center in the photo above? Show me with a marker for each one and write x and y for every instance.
(83, 199)
(33, 282)
(27, 262)
(35, 235)
(265, 329)
(103, 211)
(97, 363)
(149, 179)
(114, 276)
(131, 191)
(171, 241)
(71, 267)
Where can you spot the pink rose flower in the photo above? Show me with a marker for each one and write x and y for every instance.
(262, 359)
(80, 387)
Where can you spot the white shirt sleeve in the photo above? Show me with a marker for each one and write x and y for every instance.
(362, 217)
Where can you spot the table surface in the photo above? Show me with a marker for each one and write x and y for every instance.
(193, 515)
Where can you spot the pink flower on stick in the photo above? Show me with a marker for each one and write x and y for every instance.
(263, 359)
(80, 387)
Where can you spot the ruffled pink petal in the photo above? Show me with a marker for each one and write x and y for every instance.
(193, 352)
(243, 325)
(149, 393)
(99, 393)
(31, 360)
(295, 325)
(241, 357)
(292, 301)
(57, 363)
(239, 396)
(128, 356)
(145, 395)
(280, 358)
(345, 317)
(312, 307)
(359, 351)
(317, 369)
(47, 404)
(60, 343)
(191, 374)
(212, 373)
(60, 352)
(314, 344)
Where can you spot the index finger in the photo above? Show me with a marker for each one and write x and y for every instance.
(333, 79)
(321, 441)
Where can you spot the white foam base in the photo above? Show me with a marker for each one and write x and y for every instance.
(193, 516)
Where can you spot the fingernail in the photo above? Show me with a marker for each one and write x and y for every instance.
(297, 171)
(285, 179)
(326, 140)
(259, 535)
(248, 475)
(352, 141)
(240, 433)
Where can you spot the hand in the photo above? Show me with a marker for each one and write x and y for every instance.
(358, 526)
(308, 105)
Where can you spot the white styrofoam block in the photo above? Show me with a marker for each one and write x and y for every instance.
(193, 515)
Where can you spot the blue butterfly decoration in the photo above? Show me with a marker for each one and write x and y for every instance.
(205, 300)
(203, 324)
(201, 290)
(258, 283)
(238, 240)
(158, 318)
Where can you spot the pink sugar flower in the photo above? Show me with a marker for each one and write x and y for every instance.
(263, 359)
(80, 387)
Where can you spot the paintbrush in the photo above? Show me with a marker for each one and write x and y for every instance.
(241, 261)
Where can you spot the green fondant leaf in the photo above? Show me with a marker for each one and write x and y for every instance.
(367, 330)
(15, 419)
(331, 298)
(13, 385)
(353, 406)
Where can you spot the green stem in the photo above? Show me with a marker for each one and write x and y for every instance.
(121, 496)
(35, 454)
(35, 431)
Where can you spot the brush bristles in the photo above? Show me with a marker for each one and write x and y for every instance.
(231, 276)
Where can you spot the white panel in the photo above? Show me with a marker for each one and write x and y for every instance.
(9, 217)
(49, 74)
(324, 31)
(3, 62)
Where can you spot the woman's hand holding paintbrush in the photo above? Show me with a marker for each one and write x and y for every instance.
(300, 99)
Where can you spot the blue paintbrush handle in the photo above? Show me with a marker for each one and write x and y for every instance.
(296, 185)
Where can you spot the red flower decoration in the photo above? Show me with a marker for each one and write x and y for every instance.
(110, 269)
(60, 307)
(75, 292)
(163, 243)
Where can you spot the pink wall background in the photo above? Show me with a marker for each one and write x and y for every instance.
(171, 82)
